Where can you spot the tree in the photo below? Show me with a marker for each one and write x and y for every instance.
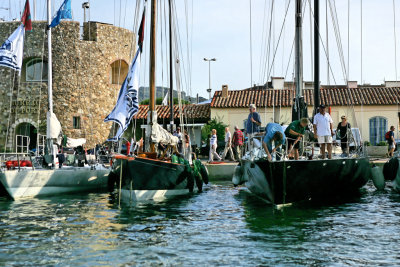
(160, 99)
(216, 124)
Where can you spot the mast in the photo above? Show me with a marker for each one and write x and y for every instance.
(171, 91)
(152, 79)
(316, 56)
(49, 79)
(299, 50)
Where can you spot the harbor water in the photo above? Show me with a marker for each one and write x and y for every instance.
(222, 226)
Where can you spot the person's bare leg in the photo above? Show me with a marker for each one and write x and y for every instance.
(329, 151)
(296, 154)
(323, 150)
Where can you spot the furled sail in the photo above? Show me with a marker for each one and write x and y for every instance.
(55, 130)
(160, 135)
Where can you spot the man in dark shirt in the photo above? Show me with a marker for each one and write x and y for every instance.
(294, 132)
(253, 124)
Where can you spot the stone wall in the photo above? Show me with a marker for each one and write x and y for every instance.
(81, 79)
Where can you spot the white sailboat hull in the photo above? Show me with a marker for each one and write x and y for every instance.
(39, 182)
(143, 195)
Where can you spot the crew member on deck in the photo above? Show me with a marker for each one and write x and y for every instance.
(343, 129)
(323, 131)
(273, 133)
(253, 124)
(294, 132)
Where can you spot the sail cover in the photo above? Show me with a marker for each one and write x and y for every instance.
(55, 130)
(160, 135)
(75, 142)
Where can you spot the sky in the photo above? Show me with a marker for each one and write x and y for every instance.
(221, 29)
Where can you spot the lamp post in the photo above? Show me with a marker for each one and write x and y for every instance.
(209, 74)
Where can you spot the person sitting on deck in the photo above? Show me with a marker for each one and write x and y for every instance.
(273, 133)
(294, 132)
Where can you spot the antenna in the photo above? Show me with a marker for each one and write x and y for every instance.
(85, 6)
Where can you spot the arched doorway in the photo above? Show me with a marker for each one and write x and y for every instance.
(26, 129)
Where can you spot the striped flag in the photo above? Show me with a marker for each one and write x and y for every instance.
(12, 50)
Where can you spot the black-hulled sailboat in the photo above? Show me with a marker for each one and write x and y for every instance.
(145, 177)
(281, 182)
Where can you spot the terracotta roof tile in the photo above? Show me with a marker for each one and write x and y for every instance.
(329, 96)
(198, 112)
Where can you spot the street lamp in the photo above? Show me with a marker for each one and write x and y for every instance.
(209, 74)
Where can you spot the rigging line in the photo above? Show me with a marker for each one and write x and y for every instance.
(361, 50)
(311, 42)
(10, 112)
(251, 51)
(262, 41)
(268, 52)
(327, 40)
(326, 55)
(395, 39)
(348, 39)
(284, 42)
(279, 39)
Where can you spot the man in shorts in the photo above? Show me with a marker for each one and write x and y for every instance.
(294, 132)
(323, 131)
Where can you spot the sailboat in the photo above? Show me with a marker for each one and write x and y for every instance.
(39, 181)
(283, 182)
(144, 177)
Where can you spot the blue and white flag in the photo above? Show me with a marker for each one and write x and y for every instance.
(12, 50)
(63, 13)
(127, 104)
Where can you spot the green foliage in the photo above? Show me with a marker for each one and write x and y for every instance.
(367, 143)
(216, 124)
(382, 143)
(160, 99)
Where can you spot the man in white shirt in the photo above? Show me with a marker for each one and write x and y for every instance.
(323, 130)
(228, 144)
(213, 146)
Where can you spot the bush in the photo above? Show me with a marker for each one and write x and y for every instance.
(366, 143)
(216, 124)
(382, 143)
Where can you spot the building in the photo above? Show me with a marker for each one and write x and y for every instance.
(193, 119)
(373, 109)
(88, 69)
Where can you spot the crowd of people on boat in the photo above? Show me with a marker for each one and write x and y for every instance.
(275, 136)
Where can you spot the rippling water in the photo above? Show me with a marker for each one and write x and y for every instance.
(222, 226)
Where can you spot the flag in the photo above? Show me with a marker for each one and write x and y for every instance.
(165, 100)
(127, 104)
(63, 13)
(12, 50)
(26, 17)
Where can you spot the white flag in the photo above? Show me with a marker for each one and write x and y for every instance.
(165, 100)
(12, 50)
(127, 104)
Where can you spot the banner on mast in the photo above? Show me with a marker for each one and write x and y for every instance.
(63, 13)
(12, 50)
(26, 17)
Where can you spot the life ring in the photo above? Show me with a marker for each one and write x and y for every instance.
(390, 169)
(190, 182)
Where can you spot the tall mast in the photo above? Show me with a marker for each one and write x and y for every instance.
(49, 78)
(152, 79)
(299, 50)
(171, 82)
(316, 56)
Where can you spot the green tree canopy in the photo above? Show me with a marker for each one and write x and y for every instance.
(216, 124)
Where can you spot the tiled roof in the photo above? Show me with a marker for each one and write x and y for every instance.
(329, 96)
(197, 112)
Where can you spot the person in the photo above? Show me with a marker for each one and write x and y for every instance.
(323, 130)
(237, 141)
(294, 132)
(343, 128)
(213, 146)
(228, 144)
(391, 141)
(187, 145)
(273, 133)
(178, 134)
(61, 158)
(253, 124)
(128, 147)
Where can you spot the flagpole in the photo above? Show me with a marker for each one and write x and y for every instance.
(171, 69)
(152, 107)
(49, 78)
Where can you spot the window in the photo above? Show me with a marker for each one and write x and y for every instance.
(119, 70)
(377, 129)
(36, 70)
(76, 122)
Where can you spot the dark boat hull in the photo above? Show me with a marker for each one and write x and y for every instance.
(291, 181)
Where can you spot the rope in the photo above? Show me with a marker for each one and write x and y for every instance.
(251, 51)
